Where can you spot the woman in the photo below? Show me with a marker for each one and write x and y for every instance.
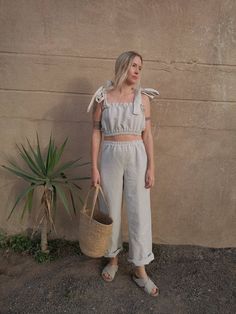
(121, 111)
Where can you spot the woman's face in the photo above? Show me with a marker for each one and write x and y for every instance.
(134, 73)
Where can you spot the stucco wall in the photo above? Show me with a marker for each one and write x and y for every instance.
(54, 54)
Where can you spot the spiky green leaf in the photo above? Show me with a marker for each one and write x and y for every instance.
(24, 209)
(37, 160)
(28, 203)
(67, 165)
(29, 161)
(54, 198)
(78, 178)
(20, 197)
(72, 200)
(24, 175)
(30, 199)
(60, 152)
(76, 185)
(49, 152)
(40, 158)
(81, 200)
(84, 164)
(63, 198)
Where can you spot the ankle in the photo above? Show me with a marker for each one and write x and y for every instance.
(140, 272)
(113, 260)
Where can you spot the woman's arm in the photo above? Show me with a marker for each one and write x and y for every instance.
(148, 143)
(96, 141)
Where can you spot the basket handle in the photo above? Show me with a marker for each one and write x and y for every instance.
(98, 189)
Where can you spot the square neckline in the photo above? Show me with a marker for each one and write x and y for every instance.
(108, 103)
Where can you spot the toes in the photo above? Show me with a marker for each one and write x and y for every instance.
(154, 291)
(106, 276)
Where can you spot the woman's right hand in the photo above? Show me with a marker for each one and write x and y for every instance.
(95, 177)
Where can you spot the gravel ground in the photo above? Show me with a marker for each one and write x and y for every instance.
(192, 280)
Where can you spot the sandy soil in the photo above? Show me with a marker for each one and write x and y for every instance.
(191, 280)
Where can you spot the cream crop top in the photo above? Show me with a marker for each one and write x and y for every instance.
(118, 118)
(122, 118)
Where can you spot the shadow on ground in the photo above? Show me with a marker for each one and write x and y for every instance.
(191, 280)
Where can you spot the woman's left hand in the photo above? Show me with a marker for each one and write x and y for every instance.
(149, 178)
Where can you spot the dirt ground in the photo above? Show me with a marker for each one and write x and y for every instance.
(192, 280)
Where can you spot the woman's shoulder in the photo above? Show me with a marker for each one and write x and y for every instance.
(145, 99)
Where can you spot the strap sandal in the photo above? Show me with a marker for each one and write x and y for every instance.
(109, 272)
(147, 285)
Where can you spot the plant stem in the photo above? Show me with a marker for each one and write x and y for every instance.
(44, 240)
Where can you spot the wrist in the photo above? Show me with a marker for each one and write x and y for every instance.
(151, 167)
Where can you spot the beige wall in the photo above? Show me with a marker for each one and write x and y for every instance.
(54, 54)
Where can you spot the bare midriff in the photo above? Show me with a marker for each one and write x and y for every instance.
(123, 138)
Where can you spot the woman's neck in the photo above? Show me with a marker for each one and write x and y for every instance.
(126, 89)
(123, 94)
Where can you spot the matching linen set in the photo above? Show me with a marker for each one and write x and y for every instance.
(122, 168)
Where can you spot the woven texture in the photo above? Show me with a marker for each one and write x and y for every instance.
(95, 228)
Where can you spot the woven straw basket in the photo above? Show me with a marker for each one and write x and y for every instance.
(95, 227)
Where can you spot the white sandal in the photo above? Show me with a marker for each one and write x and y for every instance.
(147, 285)
(111, 271)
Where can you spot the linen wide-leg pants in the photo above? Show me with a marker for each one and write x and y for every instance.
(123, 166)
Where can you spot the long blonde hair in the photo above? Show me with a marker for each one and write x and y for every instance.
(122, 65)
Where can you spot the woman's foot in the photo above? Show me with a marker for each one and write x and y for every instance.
(109, 271)
(141, 278)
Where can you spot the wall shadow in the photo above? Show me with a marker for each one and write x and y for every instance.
(69, 119)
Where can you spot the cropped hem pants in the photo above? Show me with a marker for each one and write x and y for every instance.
(123, 167)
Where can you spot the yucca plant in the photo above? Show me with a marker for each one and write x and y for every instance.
(49, 172)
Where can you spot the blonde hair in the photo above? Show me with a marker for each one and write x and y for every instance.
(122, 66)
